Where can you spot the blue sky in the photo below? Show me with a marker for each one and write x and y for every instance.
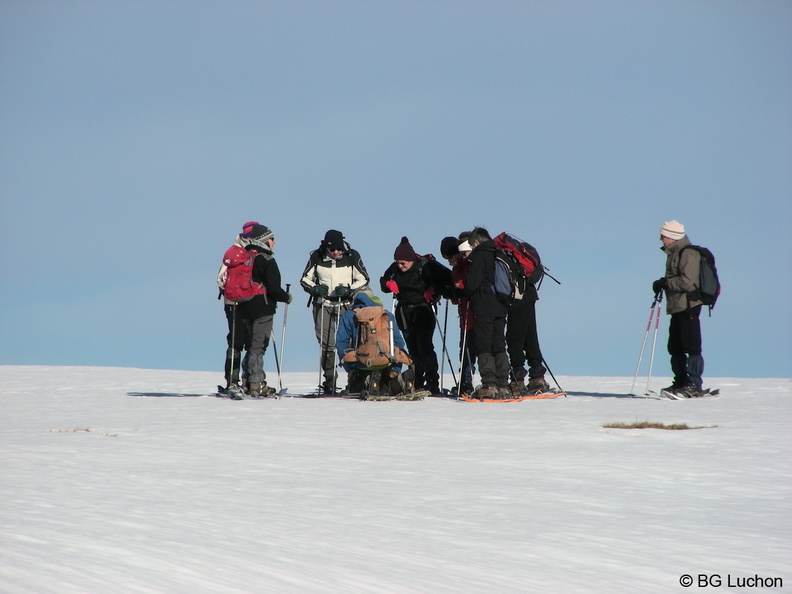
(137, 137)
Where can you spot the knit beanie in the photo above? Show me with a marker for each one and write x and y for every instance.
(672, 230)
(448, 247)
(261, 233)
(334, 240)
(404, 251)
(248, 227)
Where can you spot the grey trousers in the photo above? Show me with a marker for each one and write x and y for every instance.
(326, 317)
(259, 330)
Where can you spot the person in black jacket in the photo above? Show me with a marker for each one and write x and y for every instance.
(522, 343)
(490, 313)
(418, 283)
(259, 312)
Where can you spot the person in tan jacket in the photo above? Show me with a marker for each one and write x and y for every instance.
(684, 333)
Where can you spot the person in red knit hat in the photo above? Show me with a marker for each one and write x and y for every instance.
(418, 282)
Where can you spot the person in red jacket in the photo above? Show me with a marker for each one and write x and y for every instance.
(456, 251)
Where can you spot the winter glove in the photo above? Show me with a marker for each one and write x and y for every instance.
(429, 295)
(342, 291)
(320, 290)
(392, 286)
(659, 285)
(288, 298)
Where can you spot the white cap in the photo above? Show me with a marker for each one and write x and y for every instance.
(673, 230)
(465, 247)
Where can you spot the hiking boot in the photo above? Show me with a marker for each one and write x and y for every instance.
(503, 393)
(537, 385)
(328, 389)
(517, 389)
(690, 392)
(408, 378)
(375, 380)
(234, 390)
(485, 392)
(357, 382)
(261, 390)
(674, 388)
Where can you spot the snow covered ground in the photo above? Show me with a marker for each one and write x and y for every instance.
(124, 480)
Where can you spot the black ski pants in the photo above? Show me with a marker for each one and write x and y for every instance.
(491, 347)
(522, 341)
(238, 334)
(417, 325)
(684, 346)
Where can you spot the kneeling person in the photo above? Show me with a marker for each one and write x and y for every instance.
(371, 349)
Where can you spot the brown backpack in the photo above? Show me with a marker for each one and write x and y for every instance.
(375, 346)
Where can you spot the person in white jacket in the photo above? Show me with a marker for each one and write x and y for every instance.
(334, 274)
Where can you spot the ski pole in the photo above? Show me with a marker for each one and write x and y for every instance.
(283, 340)
(654, 341)
(551, 374)
(442, 361)
(322, 355)
(547, 274)
(277, 364)
(462, 356)
(233, 347)
(331, 336)
(643, 344)
(442, 335)
(391, 344)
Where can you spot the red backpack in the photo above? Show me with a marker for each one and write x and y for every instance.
(239, 284)
(525, 254)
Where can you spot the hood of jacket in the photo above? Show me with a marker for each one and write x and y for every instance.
(241, 241)
(363, 299)
(260, 246)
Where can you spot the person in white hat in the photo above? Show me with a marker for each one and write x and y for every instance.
(684, 333)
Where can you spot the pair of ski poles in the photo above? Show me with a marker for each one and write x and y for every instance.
(278, 359)
(323, 345)
(655, 312)
(445, 349)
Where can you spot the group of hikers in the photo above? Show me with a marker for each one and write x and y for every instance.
(391, 353)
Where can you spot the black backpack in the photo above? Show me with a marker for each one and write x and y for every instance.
(709, 287)
(509, 281)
